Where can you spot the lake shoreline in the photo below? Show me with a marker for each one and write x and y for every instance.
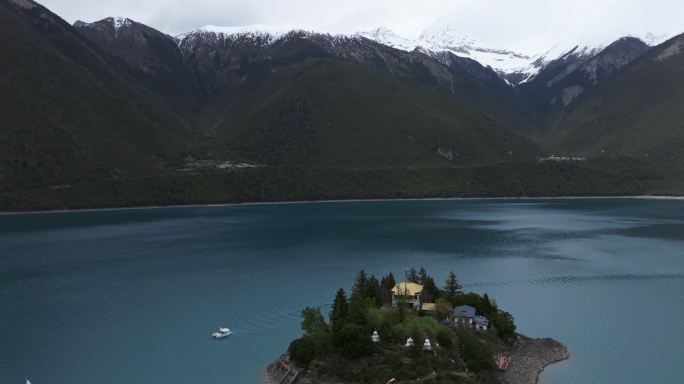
(256, 203)
(528, 359)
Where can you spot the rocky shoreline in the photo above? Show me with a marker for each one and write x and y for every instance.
(528, 358)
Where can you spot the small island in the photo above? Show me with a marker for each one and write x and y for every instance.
(412, 331)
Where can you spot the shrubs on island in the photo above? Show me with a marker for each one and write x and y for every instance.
(354, 318)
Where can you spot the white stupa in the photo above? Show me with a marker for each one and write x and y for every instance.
(409, 342)
(426, 345)
(375, 338)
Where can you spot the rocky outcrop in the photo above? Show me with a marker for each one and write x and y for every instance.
(529, 357)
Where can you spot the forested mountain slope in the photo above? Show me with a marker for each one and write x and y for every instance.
(116, 113)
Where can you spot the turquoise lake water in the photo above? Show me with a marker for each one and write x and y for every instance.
(132, 296)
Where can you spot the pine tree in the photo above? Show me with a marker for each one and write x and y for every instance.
(412, 275)
(338, 312)
(360, 284)
(386, 285)
(388, 282)
(373, 289)
(422, 275)
(358, 307)
(452, 287)
(430, 290)
(489, 307)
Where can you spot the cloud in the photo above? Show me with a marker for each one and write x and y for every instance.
(528, 25)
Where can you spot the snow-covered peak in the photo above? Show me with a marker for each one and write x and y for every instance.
(586, 46)
(437, 39)
(387, 37)
(447, 37)
(118, 22)
(590, 45)
(577, 46)
(115, 23)
(581, 46)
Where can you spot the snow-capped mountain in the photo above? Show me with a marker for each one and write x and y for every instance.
(580, 47)
(116, 23)
(580, 68)
(514, 67)
(269, 33)
(433, 40)
(503, 61)
(207, 46)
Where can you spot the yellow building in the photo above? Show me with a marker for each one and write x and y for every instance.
(410, 292)
(430, 308)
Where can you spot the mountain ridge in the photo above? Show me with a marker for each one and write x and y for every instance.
(515, 67)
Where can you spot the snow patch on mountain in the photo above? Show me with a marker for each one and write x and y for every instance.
(119, 22)
(447, 39)
(115, 22)
(265, 34)
(257, 29)
(388, 37)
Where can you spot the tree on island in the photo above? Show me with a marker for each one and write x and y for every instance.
(452, 287)
(504, 324)
(353, 341)
(303, 350)
(430, 290)
(338, 312)
(360, 284)
(358, 306)
(313, 321)
(489, 307)
(373, 290)
(412, 275)
(386, 284)
(422, 276)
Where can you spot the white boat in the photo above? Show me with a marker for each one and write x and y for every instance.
(222, 332)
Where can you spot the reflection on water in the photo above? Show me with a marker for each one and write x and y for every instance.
(133, 295)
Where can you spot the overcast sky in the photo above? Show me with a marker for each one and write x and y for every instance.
(524, 25)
